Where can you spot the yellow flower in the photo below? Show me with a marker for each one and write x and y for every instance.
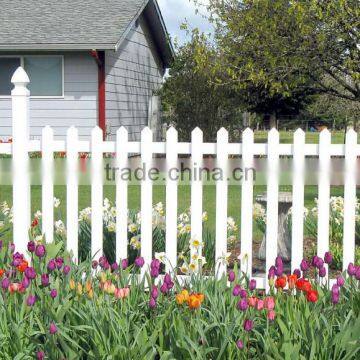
(180, 299)
(185, 294)
(79, 289)
(72, 284)
(195, 243)
(88, 286)
(90, 293)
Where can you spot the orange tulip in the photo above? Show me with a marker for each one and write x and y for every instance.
(2, 272)
(22, 267)
(194, 302)
(292, 280)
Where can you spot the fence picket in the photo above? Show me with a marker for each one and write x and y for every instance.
(247, 193)
(97, 198)
(324, 192)
(47, 181)
(272, 199)
(221, 202)
(72, 226)
(171, 200)
(121, 195)
(298, 200)
(196, 189)
(20, 96)
(349, 198)
(146, 197)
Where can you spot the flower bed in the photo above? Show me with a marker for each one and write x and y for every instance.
(54, 309)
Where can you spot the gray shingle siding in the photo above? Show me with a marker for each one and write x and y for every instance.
(78, 107)
(133, 74)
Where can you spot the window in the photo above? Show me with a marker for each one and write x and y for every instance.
(7, 68)
(45, 74)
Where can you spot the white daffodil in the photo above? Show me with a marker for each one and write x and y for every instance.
(111, 227)
(133, 228)
(56, 202)
(161, 256)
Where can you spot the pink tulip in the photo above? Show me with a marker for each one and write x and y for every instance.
(122, 293)
(252, 301)
(269, 303)
(271, 315)
(260, 304)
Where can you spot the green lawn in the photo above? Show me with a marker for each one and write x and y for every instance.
(209, 195)
(311, 137)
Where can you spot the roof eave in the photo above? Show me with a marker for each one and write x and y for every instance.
(55, 47)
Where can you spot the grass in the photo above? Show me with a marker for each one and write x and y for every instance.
(337, 137)
(184, 198)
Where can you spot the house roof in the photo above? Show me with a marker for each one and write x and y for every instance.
(77, 24)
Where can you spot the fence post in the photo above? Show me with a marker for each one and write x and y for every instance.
(20, 97)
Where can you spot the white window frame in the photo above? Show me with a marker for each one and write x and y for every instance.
(21, 57)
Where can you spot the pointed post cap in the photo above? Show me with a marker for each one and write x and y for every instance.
(20, 77)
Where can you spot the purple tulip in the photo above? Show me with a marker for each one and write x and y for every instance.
(152, 303)
(335, 289)
(335, 298)
(12, 247)
(59, 262)
(243, 293)
(167, 279)
(240, 344)
(279, 262)
(297, 272)
(40, 251)
(45, 280)
(1, 244)
(30, 301)
(328, 257)
(248, 325)
(155, 264)
(94, 264)
(242, 305)
(164, 288)
(30, 273)
(31, 246)
(322, 271)
(114, 266)
(139, 262)
(304, 266)
(51, 266)
(52, 329)
(231, 276)
(124, 263)
(154, 273)
(271, 272)
(320, 263)
(53, 293)
(351, 269)
(154, 292)
(335, 294)
(25, 282)
(315, 260)
(252, 285)
(5, 283)
(66, 269)
(279, 271)
(17, 259)
(340, 281)
(357, 273)
(40, 355)
(236, 290)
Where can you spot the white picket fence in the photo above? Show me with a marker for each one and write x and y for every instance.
(21, 146)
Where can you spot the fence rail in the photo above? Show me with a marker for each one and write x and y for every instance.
(21, 146)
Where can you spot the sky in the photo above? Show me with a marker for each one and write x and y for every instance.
(176, 12)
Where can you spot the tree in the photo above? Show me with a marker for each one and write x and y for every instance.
(191, 96)
(283, 46)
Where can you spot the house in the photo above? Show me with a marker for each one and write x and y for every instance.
(90, 62)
